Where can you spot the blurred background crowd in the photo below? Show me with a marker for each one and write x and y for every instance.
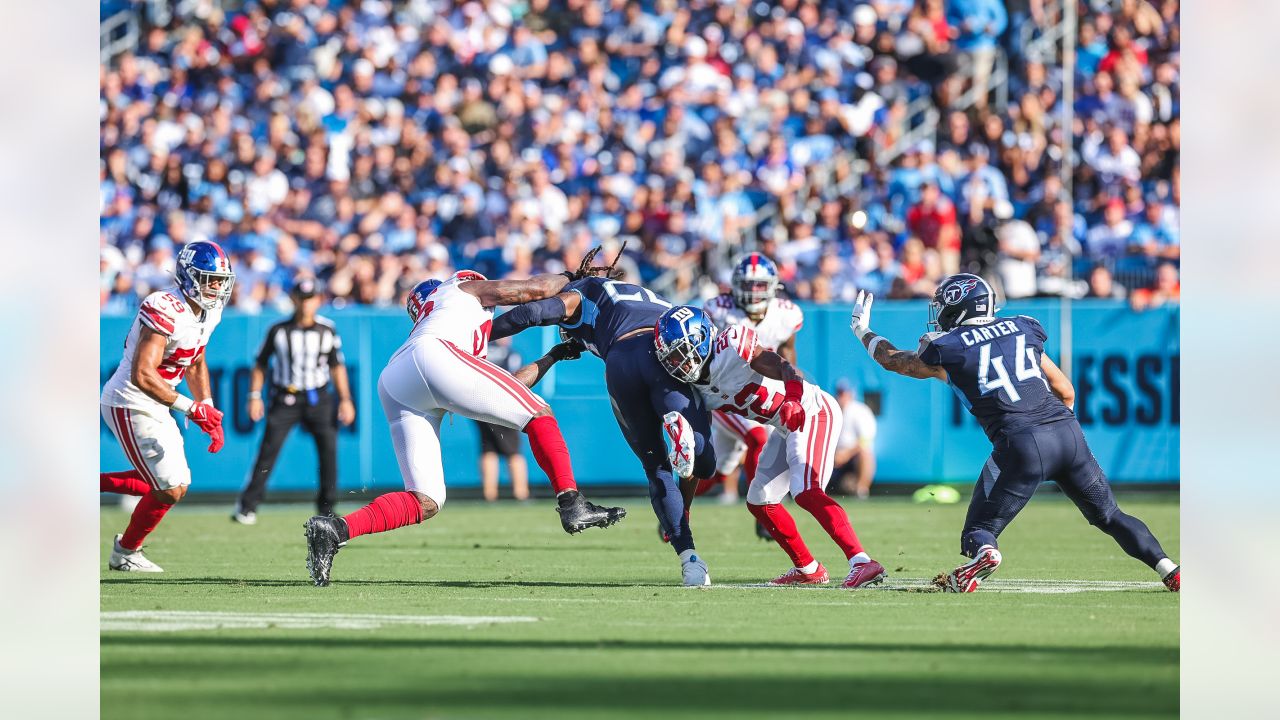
(862, 144)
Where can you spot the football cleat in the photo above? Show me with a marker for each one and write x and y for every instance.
(244, 518)
(325, 536)
(1173, 580)
(578, 514)
(762, 532)
(967, 577)
(680, 433)
(864, 574)
(695, 572)
(796, 576)
(130, 560)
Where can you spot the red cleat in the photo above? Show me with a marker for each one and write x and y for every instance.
(796, 576)
(967, 577)
(1173, 580)
(864, 574)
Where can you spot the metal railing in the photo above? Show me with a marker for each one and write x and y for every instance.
(116, 34)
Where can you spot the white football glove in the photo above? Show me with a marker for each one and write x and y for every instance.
(860, 318)
(680, 433)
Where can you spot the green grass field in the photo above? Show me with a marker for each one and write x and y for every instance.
(614, 633)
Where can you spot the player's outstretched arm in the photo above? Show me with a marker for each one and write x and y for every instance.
(1059, 384)
(548, 311)
(882, 351)
(492, 293)
(531, 374)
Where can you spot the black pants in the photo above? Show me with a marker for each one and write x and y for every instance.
(319, 419)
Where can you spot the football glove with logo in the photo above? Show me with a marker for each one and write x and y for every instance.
(680, 433)
(209, 419)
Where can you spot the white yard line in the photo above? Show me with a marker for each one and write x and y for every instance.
(179, 620)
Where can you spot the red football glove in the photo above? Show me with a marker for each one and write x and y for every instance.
(209, 419)
(792, 412)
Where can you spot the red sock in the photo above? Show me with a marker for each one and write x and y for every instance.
(782, 527)
(704, 486)
(550, 452)
(127, 482)
(756, 438)
(386, 512)
(145, 518)
(833, 519)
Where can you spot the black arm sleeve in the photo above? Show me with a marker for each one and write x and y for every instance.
(549, 311)
(268, 347)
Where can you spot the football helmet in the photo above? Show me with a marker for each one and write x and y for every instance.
(962, 299)
(682, 337)
(754, 282)
(417, 301)
(204, 274)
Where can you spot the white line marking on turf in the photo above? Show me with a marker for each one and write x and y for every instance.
(1013, 585)
(178, 620)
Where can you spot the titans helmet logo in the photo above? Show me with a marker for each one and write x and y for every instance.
(959, 291)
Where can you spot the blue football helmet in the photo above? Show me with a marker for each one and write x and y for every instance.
(962, 299)
(754, 283)
(204, 274)
(417, 300)
(682, 337)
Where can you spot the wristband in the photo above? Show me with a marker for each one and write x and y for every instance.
(871, 347)
(794, 389)
(182, 404)
(255, 394)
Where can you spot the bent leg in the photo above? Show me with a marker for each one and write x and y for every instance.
(1004, 487)
(764, 500)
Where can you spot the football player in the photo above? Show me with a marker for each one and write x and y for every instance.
(440, 369)
(614, 320)
(165, 344)
(753, 302)
(734, 374)
(1000, 371)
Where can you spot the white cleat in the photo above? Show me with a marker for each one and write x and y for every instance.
(130, 560)
(695, 572)
(244, 518)
(967, 577)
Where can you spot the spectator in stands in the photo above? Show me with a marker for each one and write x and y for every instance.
(855, 461)
(1019, 253)
(933, 220)
(979, 23)
(1165, 290)
(1103, 286)
(1110, 240)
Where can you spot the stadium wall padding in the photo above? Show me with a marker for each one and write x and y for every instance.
(1124, 365)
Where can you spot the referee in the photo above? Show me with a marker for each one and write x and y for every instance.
(305, 352)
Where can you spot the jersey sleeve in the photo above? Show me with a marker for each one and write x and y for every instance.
(931, 353)
(268, 345)
(714, 308)
(158, 312)
(743, 341)
(795, 317)
(1033, 328)
(335, 349)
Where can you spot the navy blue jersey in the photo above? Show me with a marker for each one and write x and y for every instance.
(995, 370)
(611, 309)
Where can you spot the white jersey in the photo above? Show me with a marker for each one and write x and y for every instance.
(734, 386)
(168, 313)
(781, 321)
(457, 317)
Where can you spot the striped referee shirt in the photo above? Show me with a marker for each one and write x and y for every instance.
(303, 356)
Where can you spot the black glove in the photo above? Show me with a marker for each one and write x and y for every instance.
(567, 350)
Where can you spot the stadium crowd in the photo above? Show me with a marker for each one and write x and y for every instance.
(372, 144)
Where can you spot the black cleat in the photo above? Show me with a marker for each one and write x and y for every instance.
(762, 533)
(577, 514)
(325, 535)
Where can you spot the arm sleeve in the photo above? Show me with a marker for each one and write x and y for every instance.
(1033, 328)
(549, 311)
(264, 353)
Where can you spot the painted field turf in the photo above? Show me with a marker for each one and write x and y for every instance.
(492, 611)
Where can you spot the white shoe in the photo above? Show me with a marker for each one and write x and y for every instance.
(244, 518)
(695, 572)
(130, 560)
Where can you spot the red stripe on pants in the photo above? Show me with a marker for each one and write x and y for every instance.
(130, 445)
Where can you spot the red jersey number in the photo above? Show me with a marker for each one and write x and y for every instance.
(756, 398)
(175, 366)
(481, 337)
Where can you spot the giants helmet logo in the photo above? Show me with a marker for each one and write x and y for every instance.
(959, 291)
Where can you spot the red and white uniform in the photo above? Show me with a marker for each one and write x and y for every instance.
(781, 321)
(791, 461)
(145, 428)
(442, 369)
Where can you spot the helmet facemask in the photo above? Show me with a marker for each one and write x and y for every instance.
(206, 288)
(753, 295)
(682, 359)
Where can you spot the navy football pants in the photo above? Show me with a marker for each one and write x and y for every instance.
(1058, 452)
(642, 392)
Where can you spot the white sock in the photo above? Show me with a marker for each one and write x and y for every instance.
(809, 569)
(687, 555)
(1164, 567)
(859, 559)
